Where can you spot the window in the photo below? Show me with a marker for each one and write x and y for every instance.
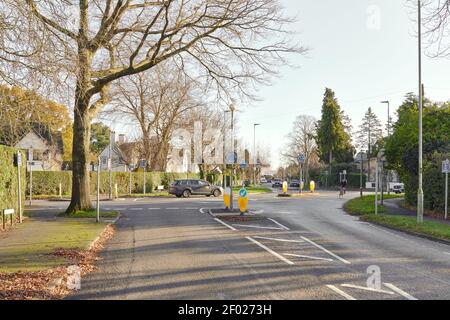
(183, 182)
(194, 182)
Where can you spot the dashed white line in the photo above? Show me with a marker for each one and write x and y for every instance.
(257, 227)
(281, 240)
(136, 209)
(172, 208)
(154, 208)
(366, 288)
(279, 224)
(339, 291)
(226, 225)
(279, 256)
(307, 257)
(400, 291)
(323, 249)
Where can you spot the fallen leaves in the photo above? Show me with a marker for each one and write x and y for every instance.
(51, 283)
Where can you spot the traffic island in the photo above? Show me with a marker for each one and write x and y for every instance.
(284, 195)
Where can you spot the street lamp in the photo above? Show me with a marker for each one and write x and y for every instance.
(420, 188)
(389, 117)
(361, 173)
(254, 152)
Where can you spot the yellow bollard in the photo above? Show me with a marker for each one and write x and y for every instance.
(116, 194)
(227, 197)
(243, 200)
(285, 187)
(312, 186)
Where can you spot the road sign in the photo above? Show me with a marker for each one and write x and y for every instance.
(243, 165)
(301, 158)
(231, 158)
(243, 200)
(143, 163)
(446, 166)
(19, 159)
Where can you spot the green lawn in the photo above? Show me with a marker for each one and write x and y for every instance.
(90, 214)
(27, 248)
(430, 228)
(366, 204)
(366, 209)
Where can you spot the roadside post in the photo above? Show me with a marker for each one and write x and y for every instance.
(19, 186)
(227, 197)
(131, 168)
(312, 186)
(285, 187)
(110, 178)
(301, 161)
(144, 165)
(376, 188)
(99, 163)
(446, 170)
(31, 163)
(243, 201)
(60, 190)
(116, 192)
(7, 212)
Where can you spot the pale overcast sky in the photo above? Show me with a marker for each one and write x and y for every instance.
(363, 64)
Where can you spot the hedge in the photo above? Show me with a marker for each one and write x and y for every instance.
(47, 182)
(9, 180)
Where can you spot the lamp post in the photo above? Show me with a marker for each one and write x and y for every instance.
(232, 109)
(388, 134)
(111, 141)
(254, 152)
(361, 173)
(420, 188)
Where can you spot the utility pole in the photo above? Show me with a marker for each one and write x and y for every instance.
(361, 174)
(232, 108)
(99, 164)
(111, 141)
(420, 187)
(254, 152)
(388, 134)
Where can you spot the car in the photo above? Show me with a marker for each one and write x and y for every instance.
(294, 184)
(398, 188)
(277, 183)
(187, 187)
(263, 180)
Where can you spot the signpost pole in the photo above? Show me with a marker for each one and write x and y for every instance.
(301, 179)
(145, 178)
(19, 185)
(31, 182)
(446, 195)
(99, 163)
(376, 188)
(360, 176)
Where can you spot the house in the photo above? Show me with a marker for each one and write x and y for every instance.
(44, 149)
(369, 170)
(119, 153)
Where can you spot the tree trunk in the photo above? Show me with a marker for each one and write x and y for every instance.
(80, 175)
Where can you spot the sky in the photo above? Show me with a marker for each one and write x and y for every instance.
(366, 51)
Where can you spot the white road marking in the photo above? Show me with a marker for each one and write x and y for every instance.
(279, 256)
(191, 208)
(327, 251)
(226, 225)
(154, 208)
(400, 291)
(281, 240)
(279, 224)
(257, 227)
(307, 257)
(339, 291)
(136, 209)
(366, 288)
(172, 208)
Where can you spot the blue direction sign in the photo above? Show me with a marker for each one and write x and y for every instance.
(243, 165)
(242, 193)
(231, 158)
(301, 158)
(446, 166)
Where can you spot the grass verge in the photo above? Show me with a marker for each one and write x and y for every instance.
(147, 195)
(89, 214)
(364, 207)
(428, 228)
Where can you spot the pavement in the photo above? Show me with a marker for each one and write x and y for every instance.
(303, 248)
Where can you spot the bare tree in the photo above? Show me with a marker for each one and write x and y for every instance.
(236, 44)
(301, 141)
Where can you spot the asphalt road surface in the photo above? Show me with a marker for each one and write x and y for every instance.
(304, 248)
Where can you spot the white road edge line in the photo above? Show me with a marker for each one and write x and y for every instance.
(339, 291)
(366, 288)
(307, 257)
(279, 224)
(400, 291)
(327, 251)
(226, 225)
(256, 227)
(279, 256)
(281, 240)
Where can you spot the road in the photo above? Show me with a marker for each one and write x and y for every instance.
(304, 248)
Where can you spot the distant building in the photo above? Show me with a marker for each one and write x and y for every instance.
(44, 149)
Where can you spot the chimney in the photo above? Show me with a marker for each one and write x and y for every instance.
(121, 138)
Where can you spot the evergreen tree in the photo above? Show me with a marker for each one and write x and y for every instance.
(370, 132)
(333, 142)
